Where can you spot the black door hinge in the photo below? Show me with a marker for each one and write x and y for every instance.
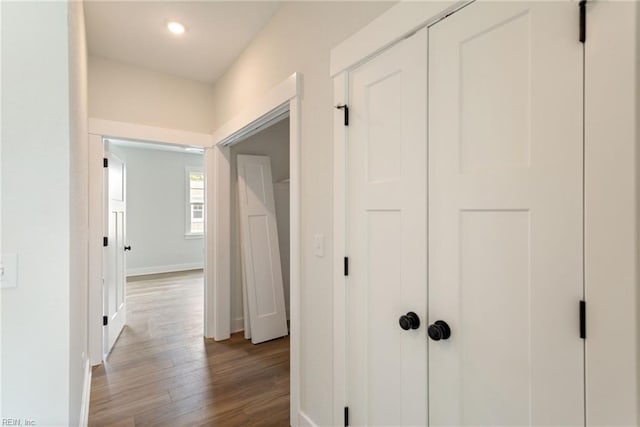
(583, 20)
(583, 320)
(345, 108)
(346, 416)
(346, 266)
(105, 320)
(105, 241)
(105, 162)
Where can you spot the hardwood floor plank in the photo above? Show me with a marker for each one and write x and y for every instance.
(161, 371)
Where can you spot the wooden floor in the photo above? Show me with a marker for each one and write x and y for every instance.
(162, 372)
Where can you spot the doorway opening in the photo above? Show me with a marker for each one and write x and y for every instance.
(160, 369)
(144, 137)
(154, 210)
(272, 145)
(281, 102)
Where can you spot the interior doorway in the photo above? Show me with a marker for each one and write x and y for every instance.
(154, 205)
(134, 145)
(273, 144)
(282, 101)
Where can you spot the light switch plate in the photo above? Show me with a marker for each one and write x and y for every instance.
(318, 245)
(8, 271)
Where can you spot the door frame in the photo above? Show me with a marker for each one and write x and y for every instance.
(99, 129)
(612, 220)
(283, 98)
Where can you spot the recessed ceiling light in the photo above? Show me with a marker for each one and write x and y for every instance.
(175, 27)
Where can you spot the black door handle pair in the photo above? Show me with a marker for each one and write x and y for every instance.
(439, 330)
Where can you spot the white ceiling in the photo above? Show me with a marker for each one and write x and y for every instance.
(135, 32)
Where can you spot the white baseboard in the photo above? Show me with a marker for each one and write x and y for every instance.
(305, 421)
(237, 324)
(86, 395)
(164, 269)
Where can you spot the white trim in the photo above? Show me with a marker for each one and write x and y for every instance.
(340, 96)
(99, 129)
(396, 23)
(145, 133)
(210, 245)
(295, 254)
(190, 236)
(86, 395)
(305, 421)
(269, 119)
(267, 107)
(96, 232)
(283, 97)
(218, 248)
(158, 269)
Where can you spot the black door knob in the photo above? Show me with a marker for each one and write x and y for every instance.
(409, 321)
(127, 248)
(439, 330)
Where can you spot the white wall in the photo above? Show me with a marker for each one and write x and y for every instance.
(1, 138)
(79, 212)
(132, 94)
(272, 142)
(156, 198)
(298, 39)
(44, 188)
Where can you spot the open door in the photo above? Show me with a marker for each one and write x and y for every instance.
(114, 287)
(260, 249)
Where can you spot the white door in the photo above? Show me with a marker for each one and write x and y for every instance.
(260, 251)
(114, 298)
(387, 238)
(505, 215)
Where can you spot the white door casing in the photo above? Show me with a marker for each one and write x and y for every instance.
(260, 249)
(506, 215)
(245, 308)
(114, 298)
(99, 131)
(386, 237)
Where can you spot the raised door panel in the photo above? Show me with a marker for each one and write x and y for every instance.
(505, 215)
(386, 242)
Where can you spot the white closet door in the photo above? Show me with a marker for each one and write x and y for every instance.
(387, 237)
(260, 250)
(505, 215)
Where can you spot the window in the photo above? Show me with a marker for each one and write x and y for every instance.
(195, 202)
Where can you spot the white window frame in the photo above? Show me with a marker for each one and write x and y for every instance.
(188, 234)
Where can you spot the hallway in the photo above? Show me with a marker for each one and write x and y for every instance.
(161, 371)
